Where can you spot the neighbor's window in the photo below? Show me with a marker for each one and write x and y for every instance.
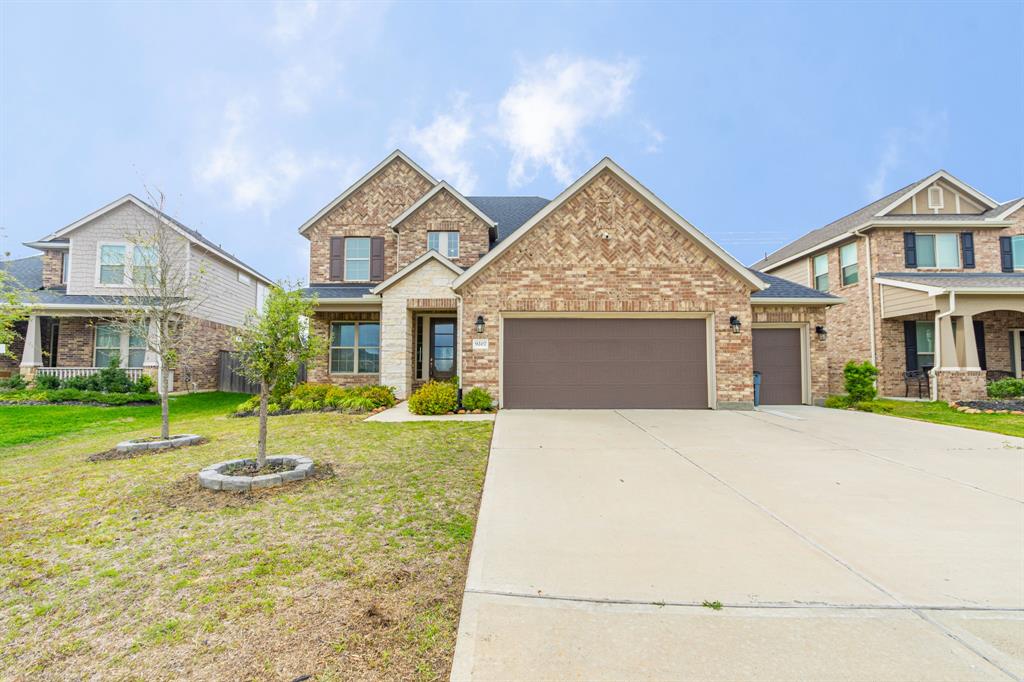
(445, 243)
(355, 348)
(144, 265)
(821, 272)
(108, 345)
(136, 350)
(65, 264)
(1018, 251)
(937, 250)
(112, 264)
(848, 263)
(925, 344)
(357, 259)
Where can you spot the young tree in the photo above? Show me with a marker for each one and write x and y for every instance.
(12, 307)
(272, 345)
(166, 291)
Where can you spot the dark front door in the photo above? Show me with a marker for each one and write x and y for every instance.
(442, 348)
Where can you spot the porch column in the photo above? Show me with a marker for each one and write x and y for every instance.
(947, 344)
(971, 360)
(32, 356)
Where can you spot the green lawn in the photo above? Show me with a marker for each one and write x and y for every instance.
(941, 413)
(126, 569)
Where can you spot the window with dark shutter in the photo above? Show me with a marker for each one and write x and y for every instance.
(377, 259)
(910, 344)
(909, 250)
(337, 261)
(1006, 253)
(967, 248)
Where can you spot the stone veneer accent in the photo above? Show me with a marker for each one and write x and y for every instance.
(443, 212)
(646, 264)
(318, 371)
(959, 384)
(366, 213)
(53, 268)
(810, 316)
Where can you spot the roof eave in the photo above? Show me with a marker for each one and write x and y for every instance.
(796, 300)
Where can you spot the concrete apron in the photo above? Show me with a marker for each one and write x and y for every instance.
(843, 545)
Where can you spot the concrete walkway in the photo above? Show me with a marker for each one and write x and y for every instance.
(843, 546)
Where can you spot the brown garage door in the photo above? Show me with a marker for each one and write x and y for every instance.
(604, 363)
(777, 358)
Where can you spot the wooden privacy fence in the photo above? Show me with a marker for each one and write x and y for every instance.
(231, 379)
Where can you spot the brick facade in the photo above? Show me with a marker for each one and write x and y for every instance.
(959, 384)
(606, 250)
(819, 351)
(11, 360)
(200, 370)
(366, 213)
(53, 268)
(75, 342)
(997, 336)
(318, 371)
(443, 212)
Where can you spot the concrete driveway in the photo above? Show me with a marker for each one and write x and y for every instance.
(842, 545)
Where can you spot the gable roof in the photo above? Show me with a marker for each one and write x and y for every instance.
(509, 212)
(780, 289)
(876, 211)
(185, 231)
(607, 164)
(415, 265)
(26, 272)
(397, 154)
(441, 186)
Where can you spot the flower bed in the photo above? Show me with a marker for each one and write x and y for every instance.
(323, 398)
(1008, 406)
(442, 397)
(72, 396)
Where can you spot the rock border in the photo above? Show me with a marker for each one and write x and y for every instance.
(214, 478)
(967, 407)
(178, 441)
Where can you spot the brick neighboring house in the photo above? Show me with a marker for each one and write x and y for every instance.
(602, 297)
(84, 276)
(933, 276)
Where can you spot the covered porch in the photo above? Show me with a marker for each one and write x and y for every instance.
(960, 331)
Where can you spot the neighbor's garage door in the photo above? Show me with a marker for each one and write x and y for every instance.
(604, 363)
(777, 358)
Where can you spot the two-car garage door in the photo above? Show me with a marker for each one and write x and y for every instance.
(605, 363)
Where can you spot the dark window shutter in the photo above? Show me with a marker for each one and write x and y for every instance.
(967, 247)
(376, 259)
(910, 343)
(337, 258)
(979, 339)
(909, 250)
(1006, 253)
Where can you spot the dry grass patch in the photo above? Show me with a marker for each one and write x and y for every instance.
(127, 569)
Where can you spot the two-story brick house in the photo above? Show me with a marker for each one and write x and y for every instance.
(85, 276)
(602, 297)
(933, 276)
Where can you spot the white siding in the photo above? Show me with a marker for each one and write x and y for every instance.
(798, 271)
(222, 297)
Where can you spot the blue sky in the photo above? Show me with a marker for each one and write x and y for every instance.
(757, 122)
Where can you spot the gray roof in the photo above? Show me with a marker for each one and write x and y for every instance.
(27, 272)
(783, 288)
(946, 280)
(323, 291)
(509, 212)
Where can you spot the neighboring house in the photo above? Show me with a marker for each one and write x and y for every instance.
(933, 275)
(603, 297)
(84, 276)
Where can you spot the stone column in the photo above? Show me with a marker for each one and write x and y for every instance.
(947, 344)
(394, 344)
(971, 360)
(32, 356)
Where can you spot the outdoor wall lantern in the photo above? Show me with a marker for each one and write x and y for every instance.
(821, 332)
(734, 323)
(479, 324)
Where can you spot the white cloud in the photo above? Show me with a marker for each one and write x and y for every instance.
(919, 143)
(655, 138)
(542, 116)
(292, 20)
(443, 145)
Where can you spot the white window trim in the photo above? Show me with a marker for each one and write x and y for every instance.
(937, 206)
(65, 267)
(842, 266)
(355, 348)
(959, 257)
(369, 258)
(815, 274)
(442, 242)
(129, 264)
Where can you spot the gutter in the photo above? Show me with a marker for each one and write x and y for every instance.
(938, 341)
(871, 295)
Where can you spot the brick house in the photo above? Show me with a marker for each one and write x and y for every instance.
(85, 276)
(933, 276)
(602, 297)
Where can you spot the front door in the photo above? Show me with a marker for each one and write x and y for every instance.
(442, 348)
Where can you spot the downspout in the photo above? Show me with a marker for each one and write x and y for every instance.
(938, 340)
(871, 295)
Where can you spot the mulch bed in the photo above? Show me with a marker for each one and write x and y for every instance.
(114, 453)
(992, 406)
(253, 470)
(186, 493)
(283, 413)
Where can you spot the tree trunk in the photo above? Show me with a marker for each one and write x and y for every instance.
(261, 452)
(165, 408)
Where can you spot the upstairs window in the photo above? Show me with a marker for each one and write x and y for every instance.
(445, 243)
(144, 270)
(848, 263)
(937, 250)
(112, 265)
(357, 259)
(1017, 244)
(821, 272)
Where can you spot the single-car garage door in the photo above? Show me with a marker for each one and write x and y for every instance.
(777, 358)
(604, 363)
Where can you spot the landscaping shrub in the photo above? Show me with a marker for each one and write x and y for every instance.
(837, 402)
(434, 397)
(47, 382)
(144, 384)
(1006, 388)
(89, 383)
(63, 395)
(477, 399)
(860, 378)
(379, 396)
(14, 382)
(311, 397)
(113, 379)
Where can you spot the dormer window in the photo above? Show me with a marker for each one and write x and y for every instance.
(935, 198)
(445, 243)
